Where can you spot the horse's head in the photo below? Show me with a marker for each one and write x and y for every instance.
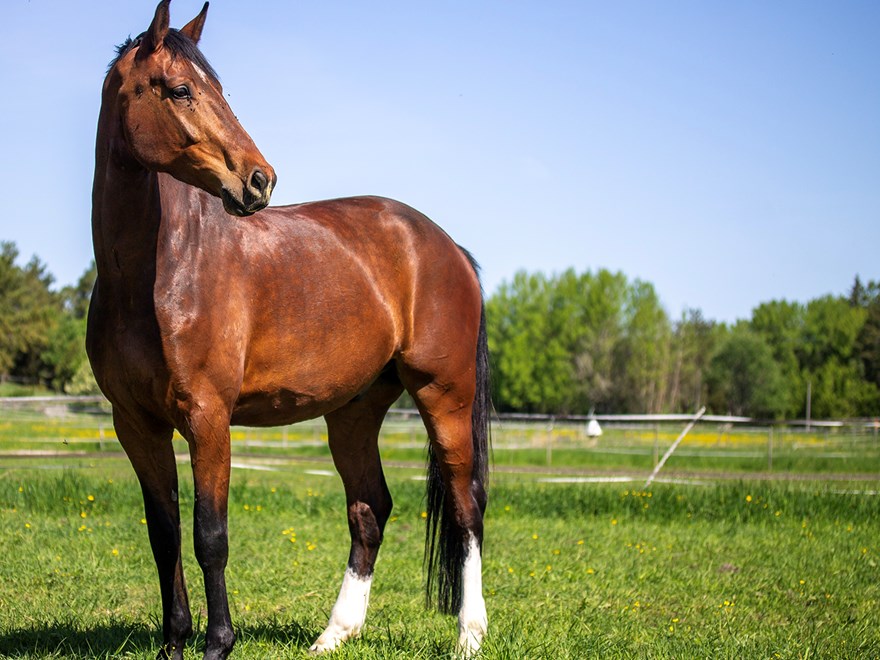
(174, 118)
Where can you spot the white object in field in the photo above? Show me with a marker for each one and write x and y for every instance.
(593, 429)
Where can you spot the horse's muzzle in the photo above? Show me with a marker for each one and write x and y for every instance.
(255, 195)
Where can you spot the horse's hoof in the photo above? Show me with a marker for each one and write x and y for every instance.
(332, 638)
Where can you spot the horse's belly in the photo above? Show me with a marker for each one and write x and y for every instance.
(284, 407)
(292, 390)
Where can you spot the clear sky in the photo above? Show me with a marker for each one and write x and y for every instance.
(727, 152)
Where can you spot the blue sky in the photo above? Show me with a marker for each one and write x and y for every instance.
(728, 153)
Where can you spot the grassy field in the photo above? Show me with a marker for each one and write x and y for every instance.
(736, 569)
(768, 564)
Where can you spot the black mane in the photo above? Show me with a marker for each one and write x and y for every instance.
(179, 45)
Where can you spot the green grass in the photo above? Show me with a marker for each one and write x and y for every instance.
(16, 389)
(732, 570)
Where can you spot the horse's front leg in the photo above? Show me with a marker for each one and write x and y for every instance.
(148, 446)
(208, 438)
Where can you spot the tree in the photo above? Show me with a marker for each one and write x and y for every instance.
(28, 313)
(600, 320)
(781, 324)
(693, 344)
(76, 298)
(528, 359)
(743, 377)
(642, 354)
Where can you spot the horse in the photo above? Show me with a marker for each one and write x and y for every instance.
(212, 308)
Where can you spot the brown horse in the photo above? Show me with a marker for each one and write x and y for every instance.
(211, 309)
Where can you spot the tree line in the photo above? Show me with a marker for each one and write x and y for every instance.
(597, 341)
(42, 331)
(568, 343)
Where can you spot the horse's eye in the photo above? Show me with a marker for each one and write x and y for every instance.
(181, 93)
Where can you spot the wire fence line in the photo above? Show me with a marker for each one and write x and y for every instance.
(31, 425)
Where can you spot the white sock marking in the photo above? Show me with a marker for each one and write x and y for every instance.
(472, 619)
(348, 614)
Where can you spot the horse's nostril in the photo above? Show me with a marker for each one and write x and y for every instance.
(259, 181)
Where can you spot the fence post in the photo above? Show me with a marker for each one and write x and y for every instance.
(770, 450)
(675, 444)
(656, 444)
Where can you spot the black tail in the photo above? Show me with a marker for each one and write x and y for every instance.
(445, 552)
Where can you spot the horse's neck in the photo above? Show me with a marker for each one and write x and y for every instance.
(126, 214)
(131, 207)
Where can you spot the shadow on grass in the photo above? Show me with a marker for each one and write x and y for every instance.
(68, 639)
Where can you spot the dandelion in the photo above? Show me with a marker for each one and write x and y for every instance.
(581, 542)
(143, 521)
(534, 537)
(748, 498)
(510, 569)
(27, 525)
(21, 489)
(507, 508)
(91, 498)
(614, 521)
(590, 571)
(115, 552)
(424, 514)
(83, 514)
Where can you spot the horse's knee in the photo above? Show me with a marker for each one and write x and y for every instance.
(211, 537)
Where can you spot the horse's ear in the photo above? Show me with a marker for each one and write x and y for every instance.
(154, 37)
(194, 28)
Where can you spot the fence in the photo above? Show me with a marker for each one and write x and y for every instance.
(67, 425)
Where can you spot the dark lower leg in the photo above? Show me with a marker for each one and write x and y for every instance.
(212, 551)
(210, 453)
(164, 530)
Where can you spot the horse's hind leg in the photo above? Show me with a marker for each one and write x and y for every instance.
(354, 434)
(149, 449)
(456, 503)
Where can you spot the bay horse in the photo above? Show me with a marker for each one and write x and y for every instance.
(211, 308)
